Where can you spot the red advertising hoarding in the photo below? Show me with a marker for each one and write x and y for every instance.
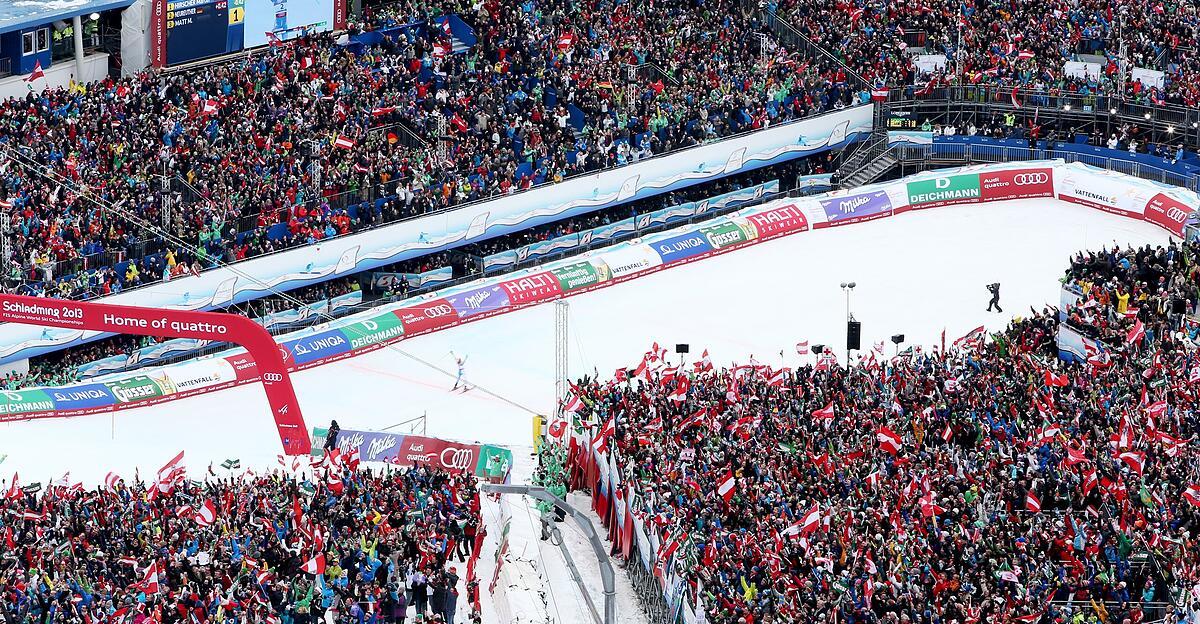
(427, 316)
(1167, 213)
(532, 288)
(1016, 184)
(453, 456)
(780, 221)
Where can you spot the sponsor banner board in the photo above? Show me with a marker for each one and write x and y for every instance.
(532, 288)
(778, 221)
(318, 346)
(90, 396)
(681, 247)
(1016, 184)
(632, 259)
(383, 328)
(427, 316)
(1102, 191)
(479, 300)
(243, 366)
(857, 207)
(727, 234)
(1167, 213)
(580, 275)
(944, 191)
(24, 402)
(195, 375)
(136, 388)
(411, 450)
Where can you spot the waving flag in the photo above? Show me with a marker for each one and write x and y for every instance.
(1032, 502)
(315, 566)
(888, 440)
(726, 487)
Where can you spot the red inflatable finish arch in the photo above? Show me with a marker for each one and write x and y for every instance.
(178, 324)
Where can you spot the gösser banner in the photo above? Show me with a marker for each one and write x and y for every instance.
(177, 324)
(1165, 207)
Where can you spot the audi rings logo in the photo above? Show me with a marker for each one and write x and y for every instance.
(1026, 179)
(1176, 215)
(457, 458)
(438, 310)
(272, 377)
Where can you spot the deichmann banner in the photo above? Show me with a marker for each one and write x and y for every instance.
(411, 450)
(377, 329)
(164, 322)
(944, 191)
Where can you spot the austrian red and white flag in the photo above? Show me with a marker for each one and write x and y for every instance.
(206, 514)
(778, 378)
(111, 480)
(565, 42)
(1192, 494)
(811, 520)
(705, 364)
(726, 487)
(1136, 461)
(1157, 409)
(1136, 333)
(14, 488)
(1032, 502)
(210, 107)
(343, 142)
(37, 72)
(149, 582)
(825, 413)
(315, 566)
(888, 440)
(606, 432)
(802, 347)
(679, 394)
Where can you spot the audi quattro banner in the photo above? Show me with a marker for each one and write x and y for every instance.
(944, 190)
(427, 316)
(1017, 184)
(1167, 213)
(856, 208)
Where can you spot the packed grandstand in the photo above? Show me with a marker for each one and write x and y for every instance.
(1042, 473)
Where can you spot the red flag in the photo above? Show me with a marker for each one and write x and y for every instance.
(888, 440)
(1136, 460)
(315, 566)
(1055, 381)
(1032, 503)
(37, 72)
(1136, 333)
(343, 142)
(726, 487)
(206, 515)
(825, 413)
(811, 520)
(1192, 494)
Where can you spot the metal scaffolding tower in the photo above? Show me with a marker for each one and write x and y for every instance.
(561, 372)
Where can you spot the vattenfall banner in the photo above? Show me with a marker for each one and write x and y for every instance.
(1166, 207)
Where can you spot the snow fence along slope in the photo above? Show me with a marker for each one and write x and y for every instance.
(1167, 207)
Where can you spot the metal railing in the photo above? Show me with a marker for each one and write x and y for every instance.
(647, 588)
(1167, 122)
(915, 158)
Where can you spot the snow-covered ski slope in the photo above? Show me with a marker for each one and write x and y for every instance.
(916, 274)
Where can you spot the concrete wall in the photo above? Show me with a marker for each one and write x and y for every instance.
(95, 67)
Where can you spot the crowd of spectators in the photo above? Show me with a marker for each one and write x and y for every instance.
(61, 367)
(332, 543)
(987, 482)
(1013, 44)
(295, 135)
